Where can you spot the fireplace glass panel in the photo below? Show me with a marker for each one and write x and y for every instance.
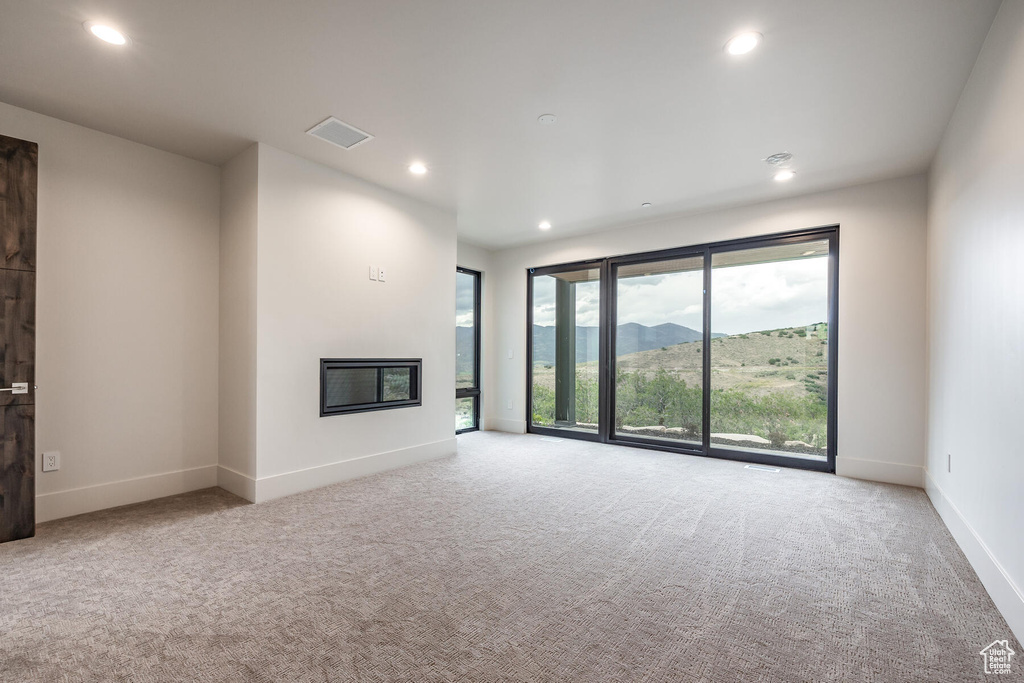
(351, 386)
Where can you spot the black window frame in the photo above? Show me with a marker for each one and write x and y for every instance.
(606, 357)
(602, 381)
(415, 366)
(474, 391)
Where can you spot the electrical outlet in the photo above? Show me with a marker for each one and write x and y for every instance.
(509, 405)
(51, 461)
(373, 272)
(511, 354)
(380, 274)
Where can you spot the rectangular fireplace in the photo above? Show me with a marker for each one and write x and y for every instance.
(358, 385)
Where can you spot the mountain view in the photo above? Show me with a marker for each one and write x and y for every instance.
(768, 388)
(632, 338)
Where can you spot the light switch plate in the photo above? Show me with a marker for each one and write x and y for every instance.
(51, 461)
(380, 273)
(373, 272)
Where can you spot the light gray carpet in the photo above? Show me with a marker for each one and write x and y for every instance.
(520, 560)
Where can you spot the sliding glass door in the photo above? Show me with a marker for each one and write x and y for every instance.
(721, 349)
(769, 369)
(467, 350)
(659, 340)
(565, 348)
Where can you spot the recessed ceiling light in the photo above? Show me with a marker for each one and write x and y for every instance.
(547, 119)
(784, 175)
(743, 43)
(106, 33)
(417, 168)
(645, 205)
(544, 225)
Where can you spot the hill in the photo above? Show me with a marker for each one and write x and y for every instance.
(790, 360)
(768, 388)
(632, 338)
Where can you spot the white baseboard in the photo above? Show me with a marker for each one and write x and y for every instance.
(278, 486)
(499, 424)
(876, 470)
(237, 483)
(1007, 596)
(50, 506)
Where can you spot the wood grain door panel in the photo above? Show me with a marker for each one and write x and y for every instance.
(18, 187)
(18, 334)
(17, 473)
(18, 180)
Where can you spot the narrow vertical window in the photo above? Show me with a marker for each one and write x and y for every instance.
(467, 350)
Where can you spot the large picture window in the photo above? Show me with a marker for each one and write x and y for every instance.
(722, 349)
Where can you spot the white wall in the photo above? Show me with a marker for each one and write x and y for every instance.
(319, 231)
(480, 259)
(976, 290)
(881, 420)
(126, 333)
(237, 412)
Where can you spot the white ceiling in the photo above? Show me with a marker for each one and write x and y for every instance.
(650, 108)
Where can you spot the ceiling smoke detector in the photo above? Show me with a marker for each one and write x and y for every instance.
(339, 133)
(779, 159)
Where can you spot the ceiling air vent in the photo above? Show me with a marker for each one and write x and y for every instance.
(339, 133)
(779, 159)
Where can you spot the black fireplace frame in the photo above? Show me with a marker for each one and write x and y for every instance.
(414, 365)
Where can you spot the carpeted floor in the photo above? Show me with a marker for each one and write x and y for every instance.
(520, 559)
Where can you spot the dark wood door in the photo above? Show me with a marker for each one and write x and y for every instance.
(18, 179)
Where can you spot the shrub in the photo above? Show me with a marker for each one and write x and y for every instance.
(662, 398)
(774, 361)
(790, 376)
